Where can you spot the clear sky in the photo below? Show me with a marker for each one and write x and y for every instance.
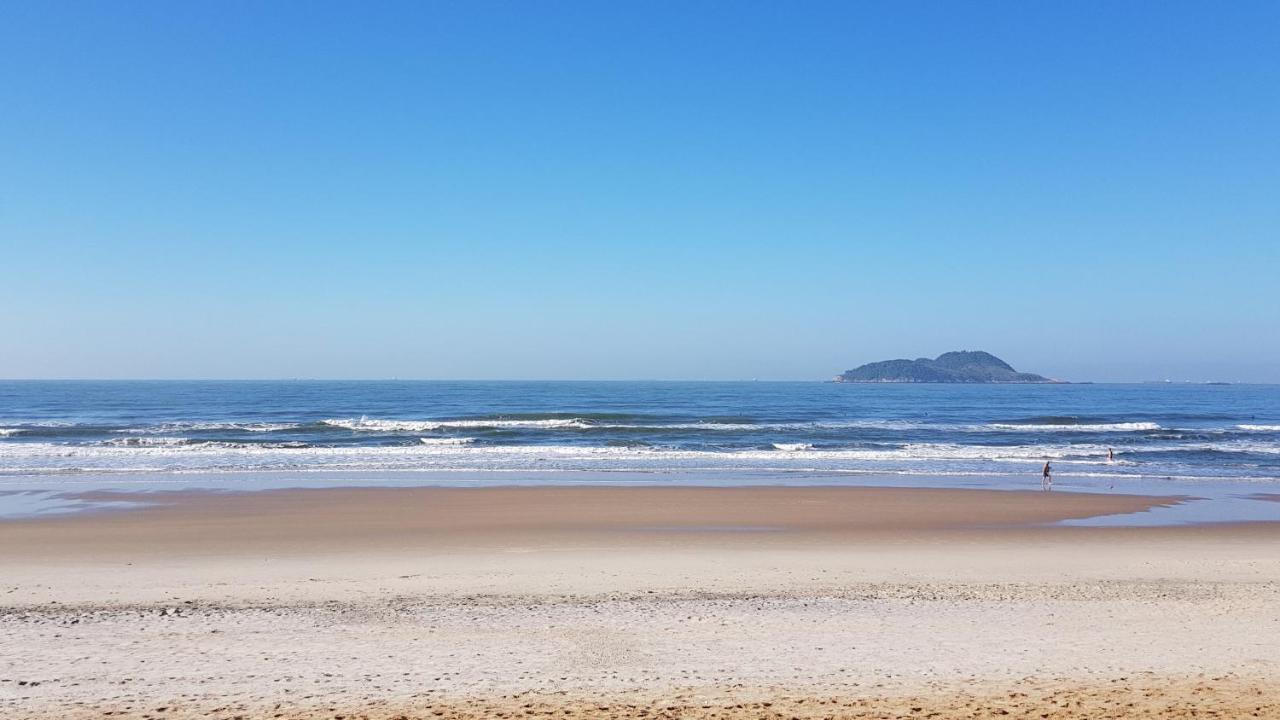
(1090, 190)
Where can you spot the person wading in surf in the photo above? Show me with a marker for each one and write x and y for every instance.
(1046, 477)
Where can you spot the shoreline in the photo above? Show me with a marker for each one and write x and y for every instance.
(53, 497)
(791, 509)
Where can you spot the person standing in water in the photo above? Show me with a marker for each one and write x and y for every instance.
(1046, 477)
(1111, 455)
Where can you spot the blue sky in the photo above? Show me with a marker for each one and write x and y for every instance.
(638, 190)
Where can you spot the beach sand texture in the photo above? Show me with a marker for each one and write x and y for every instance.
(636, 602)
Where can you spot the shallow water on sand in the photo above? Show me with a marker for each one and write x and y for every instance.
(1220, 501)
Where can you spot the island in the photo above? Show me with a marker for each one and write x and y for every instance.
(962, 366)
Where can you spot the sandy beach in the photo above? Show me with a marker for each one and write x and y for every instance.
(635, 602)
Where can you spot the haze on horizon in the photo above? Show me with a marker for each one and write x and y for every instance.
(591, 191)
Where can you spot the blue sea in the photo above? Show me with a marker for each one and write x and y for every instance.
(514, 431)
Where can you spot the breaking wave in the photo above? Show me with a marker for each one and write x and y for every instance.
(188, 443)
(142, 454)
(254, 427)
(1079, 427)
(650, 427)
(147, 442)
(366, 424)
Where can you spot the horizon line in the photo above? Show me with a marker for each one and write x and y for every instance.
(605, 380)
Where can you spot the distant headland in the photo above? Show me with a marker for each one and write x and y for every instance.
(963, 366)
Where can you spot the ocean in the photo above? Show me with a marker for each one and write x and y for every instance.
(514, 431)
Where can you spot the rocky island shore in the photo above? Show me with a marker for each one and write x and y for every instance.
(962, 366)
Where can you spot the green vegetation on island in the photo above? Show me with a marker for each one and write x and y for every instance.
(964, 366)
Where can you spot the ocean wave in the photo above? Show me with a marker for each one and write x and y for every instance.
(1228, 447)
(786, 426)
(772, 444)
(27, 458)
(597, 422)
(1078, 427)
(366, 424)
(191, 443)
(463, 447)
(194, 426)
(1242, 446)
(10, 432)
(147, 442)
(1259, 428)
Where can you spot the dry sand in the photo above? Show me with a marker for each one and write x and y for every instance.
(636, 602)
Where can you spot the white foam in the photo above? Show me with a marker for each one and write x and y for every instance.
(1259, 428)
(365, 424)
(782, 426)
(10, 432)
(368, 424)
(1084, 427)
(147, 442)
(175, 455)
(266, 427)
(214, 426)
(187, 444)
(1243, 446)
(951, 451)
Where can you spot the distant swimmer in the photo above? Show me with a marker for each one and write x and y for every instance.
(1046, 477)
(1111, 455)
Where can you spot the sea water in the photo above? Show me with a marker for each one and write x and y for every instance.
(1154, 433)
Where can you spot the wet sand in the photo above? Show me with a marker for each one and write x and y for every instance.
(312, 520)
(635, 602)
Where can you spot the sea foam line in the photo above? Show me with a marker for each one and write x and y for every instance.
(464, 447)
(198, 426)
(367, 424)
(1085, 427)
(376, 425)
